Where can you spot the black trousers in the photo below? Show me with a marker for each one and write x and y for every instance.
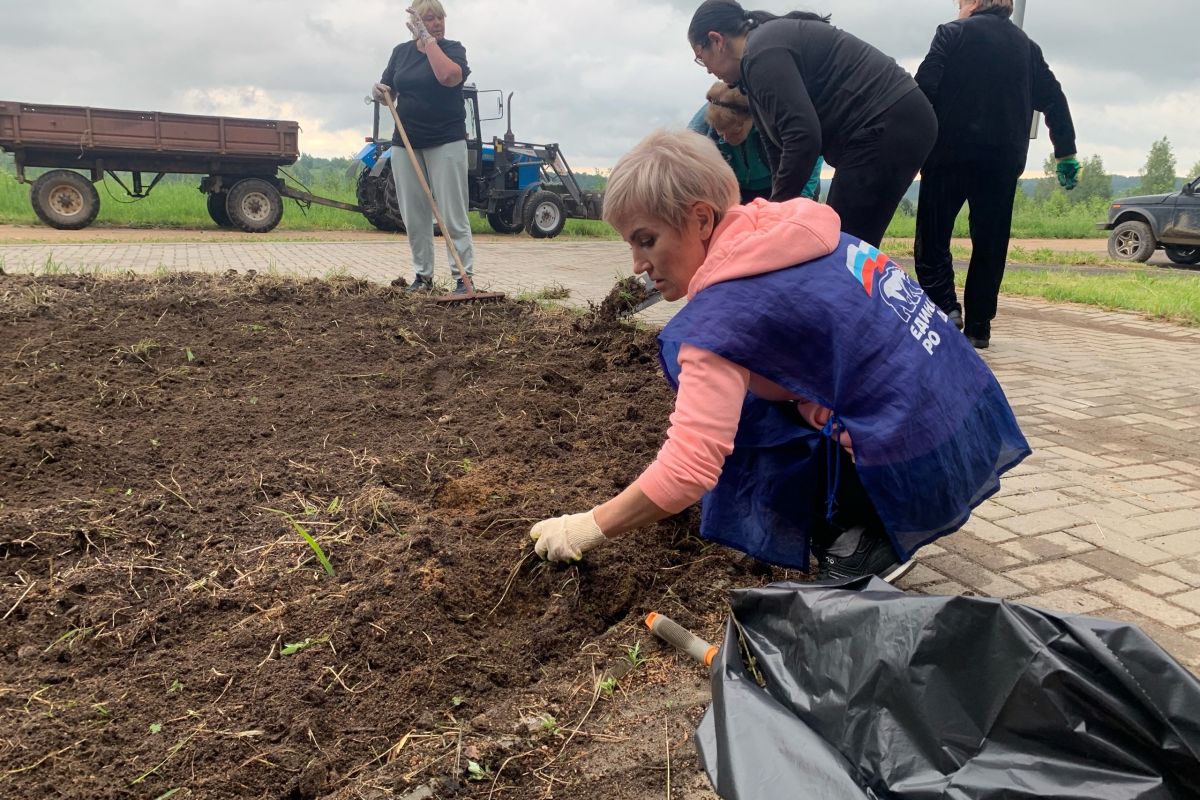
(989, 191)
(879, 164)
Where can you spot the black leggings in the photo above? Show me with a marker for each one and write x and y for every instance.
(879, 164)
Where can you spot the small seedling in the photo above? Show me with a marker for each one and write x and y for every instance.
(634, 655)
(467, 466)
(334, 505)
(176, 686)
(608, 686)
(187, 351)
(307, 537)
(549, 724)
(296, 647)
(156, 727)
(477, 772)
(457, 700)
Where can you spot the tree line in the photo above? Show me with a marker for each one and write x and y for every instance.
(1159, 174)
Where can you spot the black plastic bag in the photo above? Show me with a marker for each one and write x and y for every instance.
(874, 693)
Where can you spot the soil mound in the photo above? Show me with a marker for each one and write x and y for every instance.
(266, 538)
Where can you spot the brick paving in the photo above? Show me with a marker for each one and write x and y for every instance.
(1103, 518)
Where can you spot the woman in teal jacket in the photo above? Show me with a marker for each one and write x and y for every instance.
(725, 119)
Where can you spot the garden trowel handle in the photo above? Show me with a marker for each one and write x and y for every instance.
(681, 638)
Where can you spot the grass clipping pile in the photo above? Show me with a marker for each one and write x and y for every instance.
(269, 539)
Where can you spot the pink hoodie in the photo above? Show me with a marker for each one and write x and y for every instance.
(751, 239)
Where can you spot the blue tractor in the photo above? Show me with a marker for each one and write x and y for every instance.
(515, 185)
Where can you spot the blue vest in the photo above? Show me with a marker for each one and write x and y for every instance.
(932, 429)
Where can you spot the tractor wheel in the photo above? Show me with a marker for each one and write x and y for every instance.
(394, 217)
(545, 215)
(65, 200)
(217, 210)
(507, 220)
(1131, 241)
(373, 202)
(254, 205)
(1182, 255)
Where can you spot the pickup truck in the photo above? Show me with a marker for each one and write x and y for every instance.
(1141, 225)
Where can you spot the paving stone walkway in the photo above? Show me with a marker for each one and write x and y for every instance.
(1103, 519)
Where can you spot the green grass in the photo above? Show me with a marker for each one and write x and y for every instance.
(903, 248)
(1175, 298)
(180, 204)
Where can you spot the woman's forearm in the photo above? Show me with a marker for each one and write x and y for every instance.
(445, 70)
(627, 511)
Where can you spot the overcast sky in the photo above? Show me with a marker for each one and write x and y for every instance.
(592, 75)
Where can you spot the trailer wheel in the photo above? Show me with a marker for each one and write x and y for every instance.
(217, 209)
(65, 200)
(545, 215)
(254, 205)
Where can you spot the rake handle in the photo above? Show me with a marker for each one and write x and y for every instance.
(437, 214)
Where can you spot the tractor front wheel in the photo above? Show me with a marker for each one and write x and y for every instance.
(545, 215)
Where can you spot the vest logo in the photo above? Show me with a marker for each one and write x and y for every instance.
(898, 291)
(864, 263)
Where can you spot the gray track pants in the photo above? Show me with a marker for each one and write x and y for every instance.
(445, 168)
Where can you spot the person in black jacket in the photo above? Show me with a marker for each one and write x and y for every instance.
(985, 78)
(815, 90)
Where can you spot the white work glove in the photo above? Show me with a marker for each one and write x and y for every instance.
(566, 538)
(417, 27)
(380, 91)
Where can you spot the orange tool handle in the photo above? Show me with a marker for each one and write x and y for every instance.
(681, 638)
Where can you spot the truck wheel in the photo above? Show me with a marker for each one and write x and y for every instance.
(1131, 241)
(507, 219)
(254, 205)
(545, 215)
(65, 200)
(371, 199)
(217, 210)
(1182, 255)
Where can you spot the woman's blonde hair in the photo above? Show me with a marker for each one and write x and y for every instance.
(664, 175)
(727, 107)
(985, 5)
(423, 7)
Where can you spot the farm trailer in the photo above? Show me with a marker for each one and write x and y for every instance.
(239, 158)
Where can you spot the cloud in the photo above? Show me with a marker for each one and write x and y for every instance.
(594, 77)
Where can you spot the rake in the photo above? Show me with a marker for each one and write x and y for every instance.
(471, 295)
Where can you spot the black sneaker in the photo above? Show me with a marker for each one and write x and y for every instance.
(978, 335)
(420, 284)
(955, 317)
(874, 556)
(460, 287)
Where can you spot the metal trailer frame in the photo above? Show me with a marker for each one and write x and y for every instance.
(103, 141)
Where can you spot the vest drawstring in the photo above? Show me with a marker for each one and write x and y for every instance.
(833, 431)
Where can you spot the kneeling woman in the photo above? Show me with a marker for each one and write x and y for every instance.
(823, 403)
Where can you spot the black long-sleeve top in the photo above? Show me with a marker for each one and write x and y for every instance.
(432, 114)
(985, 78)
(812, 88)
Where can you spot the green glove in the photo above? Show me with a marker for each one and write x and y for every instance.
(1068, 171)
